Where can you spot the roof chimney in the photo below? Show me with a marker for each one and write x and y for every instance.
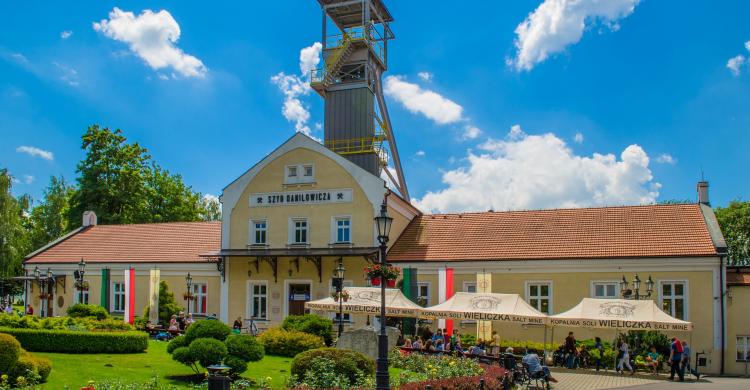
(89, 218)
(703, 193)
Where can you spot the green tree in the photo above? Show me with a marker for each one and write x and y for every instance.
(169, 199)
(14, 241)
(211, 209)
(49, 219)
(167, 304)
(112, 179)
(735, 225)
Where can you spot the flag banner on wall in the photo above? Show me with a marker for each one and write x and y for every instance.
(153, 296)
(484, 285)
(410, 289)
(105, 288)
(129, 279)
(445, 291)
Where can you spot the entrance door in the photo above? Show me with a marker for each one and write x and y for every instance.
(298, 295)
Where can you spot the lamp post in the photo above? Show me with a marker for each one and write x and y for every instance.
(79, 276)
(338, 285)
(383, 222)
(635, 292)
(189, 283)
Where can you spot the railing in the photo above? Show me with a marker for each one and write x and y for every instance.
(373, 37)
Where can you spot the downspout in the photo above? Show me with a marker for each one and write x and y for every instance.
(723, 320)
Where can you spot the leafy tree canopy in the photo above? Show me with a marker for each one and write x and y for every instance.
(735, 225)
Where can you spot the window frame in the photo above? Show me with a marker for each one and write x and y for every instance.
(335, 228)
(312, 170)
(292, 171)
(115, 293)
(299, 173)
(466, 289)
(254, 230)
(251, 298)
(293, 231)
(203, 298)
(429, 292)
(77, 295)
(594, 283)
(746, 348)
(685, 297)
(549, 297)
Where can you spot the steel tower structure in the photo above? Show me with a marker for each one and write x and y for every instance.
(355, 56)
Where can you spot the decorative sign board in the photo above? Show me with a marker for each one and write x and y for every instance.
(295, 198)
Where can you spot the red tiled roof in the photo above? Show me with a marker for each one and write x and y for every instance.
(739, 276)
(585, 233)
(153, 242)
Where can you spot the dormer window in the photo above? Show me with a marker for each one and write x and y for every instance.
(292, 171)
(308, 169)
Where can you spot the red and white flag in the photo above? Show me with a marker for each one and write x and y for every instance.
(129, 295)
(445, 291)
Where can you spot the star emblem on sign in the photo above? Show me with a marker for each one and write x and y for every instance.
(340, 196)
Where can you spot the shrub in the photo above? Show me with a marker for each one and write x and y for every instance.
(183, 355)
(81, 310)
(348, 363)
(494, 379)
(30, 366)
(468, 339)
(245, 347)
(10, 350)
(167, 304)
(323, 373)
(434, 367)
(310, 323)
(63, 323)
(65, 341)
(238, 365)
(282, 342)
(43, 367)
(207, 329)
(177, 342)
(207, 351)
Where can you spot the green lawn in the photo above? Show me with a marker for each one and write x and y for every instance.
(74, 371)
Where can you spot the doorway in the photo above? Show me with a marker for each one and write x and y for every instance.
(299, 293)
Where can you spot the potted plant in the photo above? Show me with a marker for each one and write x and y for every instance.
(377, 274)
(84, 285)
(188, 296)
(344, 296)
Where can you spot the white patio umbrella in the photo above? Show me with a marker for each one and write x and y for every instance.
(366, 300)
(619, 314)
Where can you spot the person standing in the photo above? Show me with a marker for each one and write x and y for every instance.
(495, 345)
(685, 363)
(675, 358)
(598, 346)
(570, 349)
(624, 358)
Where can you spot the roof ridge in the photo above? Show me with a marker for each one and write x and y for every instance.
(489, 212)
(160, 223)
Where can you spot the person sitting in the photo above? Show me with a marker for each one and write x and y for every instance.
(437, 336)
(429, 347)
(173, 325)
(476, 350)
(407, 343)
(189, 320)
(417, 344)
(583, 356)
(439, 345)
(652, 359)
(533, 362)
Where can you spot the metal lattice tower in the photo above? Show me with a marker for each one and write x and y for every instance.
(355, 56)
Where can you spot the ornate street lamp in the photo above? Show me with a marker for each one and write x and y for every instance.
(79, 276)
(383, 222)
(635, 293)
(189, 295)
(338, 285)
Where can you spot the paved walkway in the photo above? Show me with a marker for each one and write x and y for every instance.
(704, 384)
(591, 380)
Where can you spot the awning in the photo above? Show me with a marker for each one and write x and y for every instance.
(486, 307)
(366, 300)
(619, 314)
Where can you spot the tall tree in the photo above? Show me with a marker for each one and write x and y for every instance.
(211, 209)
(49, 219)
(169, 199)
(14, 242)
(112, 179)
(735, 224)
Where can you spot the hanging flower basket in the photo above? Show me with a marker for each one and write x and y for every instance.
(376, 272)
(344, 296)
(83, 286)
(188, 296)
(45, 296)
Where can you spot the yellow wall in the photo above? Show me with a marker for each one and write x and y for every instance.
(738, 324)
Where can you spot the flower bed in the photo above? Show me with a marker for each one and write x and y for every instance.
(494, 378)
(420, 368)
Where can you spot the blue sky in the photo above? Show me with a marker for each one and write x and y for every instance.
(648, 83)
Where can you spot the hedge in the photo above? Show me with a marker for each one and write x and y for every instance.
(65, 341)
(280, 342)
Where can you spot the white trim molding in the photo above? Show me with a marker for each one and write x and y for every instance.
(540, 283)
(685, 296)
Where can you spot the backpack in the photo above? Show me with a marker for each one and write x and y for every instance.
(678, 346)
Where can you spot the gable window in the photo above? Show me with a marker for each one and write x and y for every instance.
(291, 171)
(299, 174)
(539, 295)
(307, 170)
(743, 348)
(674, 298)
(118, 290)
(258, 300)
(259, 232)
(299, 231)
(200, 294)
(343, 230)
(604, 290)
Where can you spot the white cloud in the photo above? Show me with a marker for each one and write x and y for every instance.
(420, 153)
(309, 58)
(67, 74)
(666, 158)
(747, 45)
(735, 63)
(20, 58)
(428, 103)
(36, 152)
(471, 132)
(152, 36)
(425, 76)
(516, 132)
(28, 179)
(541, 171)
(66, 34)
(293, 87)
(578, 138)
(556, 24)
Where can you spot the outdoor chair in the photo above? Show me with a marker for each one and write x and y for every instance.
(536, 377)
